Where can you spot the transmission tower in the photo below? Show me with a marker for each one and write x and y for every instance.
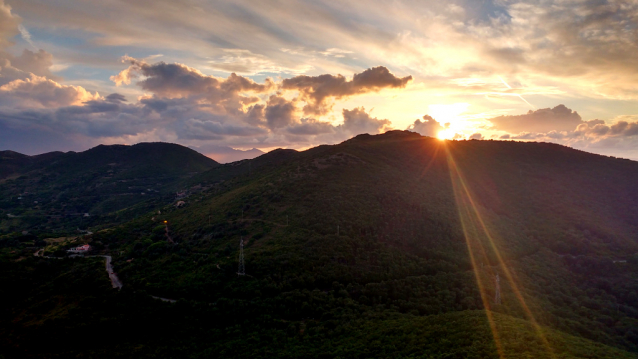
(242, 267)
(168, 237)
(497, 294)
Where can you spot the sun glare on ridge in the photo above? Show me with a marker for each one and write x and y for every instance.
(446, 134)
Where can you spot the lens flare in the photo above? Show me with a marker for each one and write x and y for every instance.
(476, 232)
(446, 134)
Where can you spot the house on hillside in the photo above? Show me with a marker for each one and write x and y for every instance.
(180, 195)
(81, 249)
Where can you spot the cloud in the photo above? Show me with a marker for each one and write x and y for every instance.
(23, 66)
(618, 129)
(221, 97)
(94, 119)
(428, 127)
(358, 121)
(583, 47)
(8, 25)
(280, 112)
(311, 126)
(197, 129)
(247, 63)
(182, 104)
(38, 63)
(115, 98)
(580, 49)
(618, 139)
(476, 136)
(316, 90)
(216, 105)
(595, 38)
(559, 118)
(178, 80)
(37, 91)
(28, 63)
(26, 35)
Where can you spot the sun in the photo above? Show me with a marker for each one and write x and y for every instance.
(447, 112)
(446, 134)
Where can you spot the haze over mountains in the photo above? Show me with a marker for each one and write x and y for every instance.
(380, 246)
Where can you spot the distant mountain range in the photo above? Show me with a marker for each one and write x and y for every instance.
(381, 246)
(225, 154)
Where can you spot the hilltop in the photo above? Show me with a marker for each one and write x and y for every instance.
(99, 181)
(385, 245)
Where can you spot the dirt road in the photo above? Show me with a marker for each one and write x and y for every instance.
(115, 281)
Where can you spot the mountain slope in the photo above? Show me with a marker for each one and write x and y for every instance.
(412, 225)
(397, 238)
(98, 181)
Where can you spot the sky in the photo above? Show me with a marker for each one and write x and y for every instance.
(233, 79)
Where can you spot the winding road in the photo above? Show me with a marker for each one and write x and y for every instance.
(115, 281)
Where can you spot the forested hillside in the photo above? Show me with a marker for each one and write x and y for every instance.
(53, 191)
(394, 245)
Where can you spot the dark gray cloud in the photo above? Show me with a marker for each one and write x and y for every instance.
(316, 90)
(476, 136)
(559, 118)
(115, 98)
(280, 112)
(178, 80)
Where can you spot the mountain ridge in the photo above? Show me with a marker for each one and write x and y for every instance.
(349, 245)
(99, 181)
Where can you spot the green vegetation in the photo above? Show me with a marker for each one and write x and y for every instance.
(382, 246)
(97, 188)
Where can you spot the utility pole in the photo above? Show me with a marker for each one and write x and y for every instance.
(167, 235)
(242, 268)
(497, 295)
